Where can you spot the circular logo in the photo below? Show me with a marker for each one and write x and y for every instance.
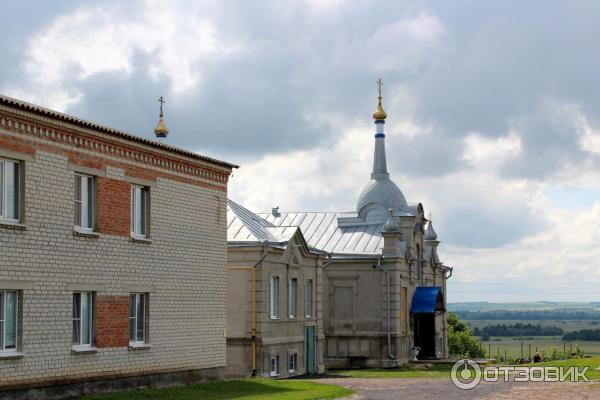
(465, 374)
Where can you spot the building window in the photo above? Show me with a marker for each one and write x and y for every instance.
(138, 318)
(84, 202)
(139, 211)
(274, 365)
(292, 298)
(274, 297)
(293, 362)
(9, 320)
(308, 298)
(10, 190)
(83, 319)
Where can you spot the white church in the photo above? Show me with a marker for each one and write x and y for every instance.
(379, 285)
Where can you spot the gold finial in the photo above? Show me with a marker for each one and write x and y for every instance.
(161, 130)
(379, 113)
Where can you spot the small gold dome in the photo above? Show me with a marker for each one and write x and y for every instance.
(161, 130)
(379, 112)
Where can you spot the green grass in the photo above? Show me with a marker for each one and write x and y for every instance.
(405, 371)
(240, 389)
(593, 363)
(566, 325)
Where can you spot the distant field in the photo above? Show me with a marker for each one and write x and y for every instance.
(567, 326)
(513, 346)
(524, 306)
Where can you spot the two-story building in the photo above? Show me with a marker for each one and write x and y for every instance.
(112, 258)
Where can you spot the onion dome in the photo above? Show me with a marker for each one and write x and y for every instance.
(161, 130)
(390, 225)
(430, 233)
(379, 113)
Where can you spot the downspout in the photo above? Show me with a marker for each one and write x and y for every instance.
(389, 311)
(253, 270)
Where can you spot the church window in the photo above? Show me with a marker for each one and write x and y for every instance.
(275, 365)
(308, 298)
(274, 297)
(292, 298)
(293, 362)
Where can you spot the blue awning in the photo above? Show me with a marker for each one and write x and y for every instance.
(427, 300)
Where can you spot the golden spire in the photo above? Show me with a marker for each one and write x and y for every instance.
(161, 130)
(379, 113)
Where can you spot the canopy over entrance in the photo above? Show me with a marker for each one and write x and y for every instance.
(427, 300)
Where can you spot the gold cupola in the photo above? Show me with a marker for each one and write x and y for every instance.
(161, 130)
(379, 113)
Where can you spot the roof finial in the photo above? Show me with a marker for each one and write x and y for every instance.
(379, 113)
(161, 130)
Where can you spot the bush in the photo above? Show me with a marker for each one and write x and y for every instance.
(461, 342)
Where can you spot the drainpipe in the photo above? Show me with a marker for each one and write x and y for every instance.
(389, 311)
(451, 269)
(316, 287)
(253, 269)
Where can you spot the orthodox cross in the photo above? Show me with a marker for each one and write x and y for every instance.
(161, 101)
(379, 83)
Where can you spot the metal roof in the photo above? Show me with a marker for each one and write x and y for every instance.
(243, 226)
(321, 231)
(23, 105)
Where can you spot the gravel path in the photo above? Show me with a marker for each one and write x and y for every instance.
(442, 388)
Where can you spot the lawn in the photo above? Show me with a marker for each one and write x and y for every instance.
(512, 346)
(240, 389)
(593, 363)
(405, 371)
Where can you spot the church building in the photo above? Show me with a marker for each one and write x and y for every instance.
(383, 286)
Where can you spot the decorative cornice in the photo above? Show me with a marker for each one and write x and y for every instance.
(82, 139)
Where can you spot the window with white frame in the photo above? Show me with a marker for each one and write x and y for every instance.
(138, 318)
(83, 319)
(9, 320)
(274, 365)
(84, 202)
(308, 299)
(139, 211)
(292, 362)
(10, 190)
(292, 298)
(274, 297)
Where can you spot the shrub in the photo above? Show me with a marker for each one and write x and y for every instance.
(461, 342)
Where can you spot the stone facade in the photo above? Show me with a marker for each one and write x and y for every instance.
(180, 265)
(292, 329)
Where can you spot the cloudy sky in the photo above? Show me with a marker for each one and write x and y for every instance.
(493, 111)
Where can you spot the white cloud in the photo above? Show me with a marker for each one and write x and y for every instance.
(89, 41)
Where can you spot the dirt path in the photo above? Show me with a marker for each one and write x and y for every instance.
(441, 388)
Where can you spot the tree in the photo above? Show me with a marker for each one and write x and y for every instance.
(461, 342)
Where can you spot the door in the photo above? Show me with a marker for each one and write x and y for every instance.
(425, 334)
(310, 350)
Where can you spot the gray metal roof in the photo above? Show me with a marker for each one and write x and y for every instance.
(243, 226)
(321, 231)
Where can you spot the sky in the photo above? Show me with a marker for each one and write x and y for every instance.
(493, 112)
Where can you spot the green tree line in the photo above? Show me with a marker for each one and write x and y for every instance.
(518, 329)
(583, 334)
(562, 315)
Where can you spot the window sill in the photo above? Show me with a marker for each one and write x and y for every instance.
(273, 374)
(139, 346)
(7, 355)
(83, 350)
(85, 233)
(275, 318)
(140, 239)
(4, 223)
(292, 371)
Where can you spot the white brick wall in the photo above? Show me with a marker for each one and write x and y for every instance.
(185, 263)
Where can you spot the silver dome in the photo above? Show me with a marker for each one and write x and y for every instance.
(382, 192)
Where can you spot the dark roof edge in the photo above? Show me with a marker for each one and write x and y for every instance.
(23, 105)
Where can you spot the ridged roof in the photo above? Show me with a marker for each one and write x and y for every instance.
(243, 226)
(25, 106)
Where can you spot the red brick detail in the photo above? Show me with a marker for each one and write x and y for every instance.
(112, 321)
(114, 207)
